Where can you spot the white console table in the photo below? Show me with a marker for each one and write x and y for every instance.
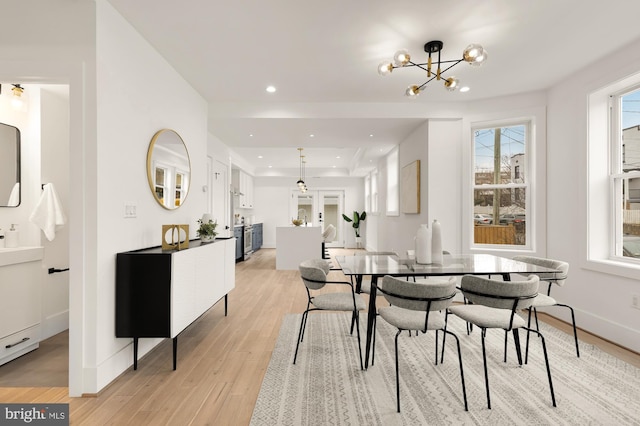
(159, 292)
(297, 243)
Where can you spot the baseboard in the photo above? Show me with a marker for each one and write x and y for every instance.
(54, 324)
(100, 377)
(619, 334)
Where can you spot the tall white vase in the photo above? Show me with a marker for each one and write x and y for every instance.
(423, 245)
(436, 242)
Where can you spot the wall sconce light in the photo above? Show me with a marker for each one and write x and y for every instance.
(17, 101)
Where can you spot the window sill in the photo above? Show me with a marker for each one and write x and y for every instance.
(613, 267)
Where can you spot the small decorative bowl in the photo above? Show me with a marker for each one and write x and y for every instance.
(297, 222)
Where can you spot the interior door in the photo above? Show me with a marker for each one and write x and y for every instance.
(320, 208)
(330, 208)
(219, 196)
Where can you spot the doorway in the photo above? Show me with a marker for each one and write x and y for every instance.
(320, 208)
(218, 194)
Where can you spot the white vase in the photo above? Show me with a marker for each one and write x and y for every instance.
(436, 242)
(423, 245)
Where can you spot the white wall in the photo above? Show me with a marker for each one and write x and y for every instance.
(55, 170)
(601, 296)
(138, 93)
(438, 145)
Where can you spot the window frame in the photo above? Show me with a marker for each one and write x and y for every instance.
(527, 122)
(393, 192)
(602, 176)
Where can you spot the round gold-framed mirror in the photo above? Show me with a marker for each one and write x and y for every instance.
(168, 169)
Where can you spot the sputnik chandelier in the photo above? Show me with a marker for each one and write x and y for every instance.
(474, 54)
(300, 183)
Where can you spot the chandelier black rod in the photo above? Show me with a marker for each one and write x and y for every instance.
(441, 73)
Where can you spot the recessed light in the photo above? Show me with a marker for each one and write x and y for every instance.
(464, 89)
(312, 135)
(370, 136)
(338, 156)
(271, 89)
(334, 167)
(259, 156)
(251, 135)
(270, 166)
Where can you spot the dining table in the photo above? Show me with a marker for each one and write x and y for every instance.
(376, 265)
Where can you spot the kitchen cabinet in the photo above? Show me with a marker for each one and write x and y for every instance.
(159, 292)
(256, 236)
(243, 183)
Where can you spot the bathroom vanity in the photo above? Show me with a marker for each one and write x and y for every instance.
(20, 303)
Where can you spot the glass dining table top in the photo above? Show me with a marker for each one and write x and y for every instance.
(472, 264)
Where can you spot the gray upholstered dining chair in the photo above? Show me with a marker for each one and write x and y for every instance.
(494, 304)
(545, 300)
(416, 307)
(314, 276)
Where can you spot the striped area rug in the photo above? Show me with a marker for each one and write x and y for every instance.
(327, 387)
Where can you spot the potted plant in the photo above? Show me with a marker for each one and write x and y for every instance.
(355, 223)
(207, 230)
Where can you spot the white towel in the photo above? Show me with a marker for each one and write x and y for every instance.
(14, 197)
(48, 213)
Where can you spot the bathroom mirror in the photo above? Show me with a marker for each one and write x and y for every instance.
(9, 166)
(168, 169)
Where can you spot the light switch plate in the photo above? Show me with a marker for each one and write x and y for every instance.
(129, 210)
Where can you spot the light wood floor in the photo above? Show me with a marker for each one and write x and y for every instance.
(221, 360)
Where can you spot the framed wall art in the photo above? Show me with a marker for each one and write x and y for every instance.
(410, 188)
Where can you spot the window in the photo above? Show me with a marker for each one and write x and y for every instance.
(393, 193)
(625, 174)
(374, 191)
(501, 187)
(367, 193)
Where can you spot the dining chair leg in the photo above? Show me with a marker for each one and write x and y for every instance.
(486, 374)
(358, 333)
(506, 340)
(373, 342)
(300, 334)
(444, 337)
(575, 332)
(464, 389)
(397, 372)
(437, 347)
(516, 338)
(546, 361)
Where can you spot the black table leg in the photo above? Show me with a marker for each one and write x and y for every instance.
(371, 317)
(225, 305)
(175, 352)
(135, 353)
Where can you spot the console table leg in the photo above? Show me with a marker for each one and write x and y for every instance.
(135, 353)
(175, 352)
(225, 305)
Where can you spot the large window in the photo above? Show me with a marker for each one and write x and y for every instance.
(625, 174)
(501, 186)
(374, 191)
(393, 193)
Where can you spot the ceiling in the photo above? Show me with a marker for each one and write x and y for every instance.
(322, 57)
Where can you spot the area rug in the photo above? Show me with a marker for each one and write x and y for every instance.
(327, 386)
